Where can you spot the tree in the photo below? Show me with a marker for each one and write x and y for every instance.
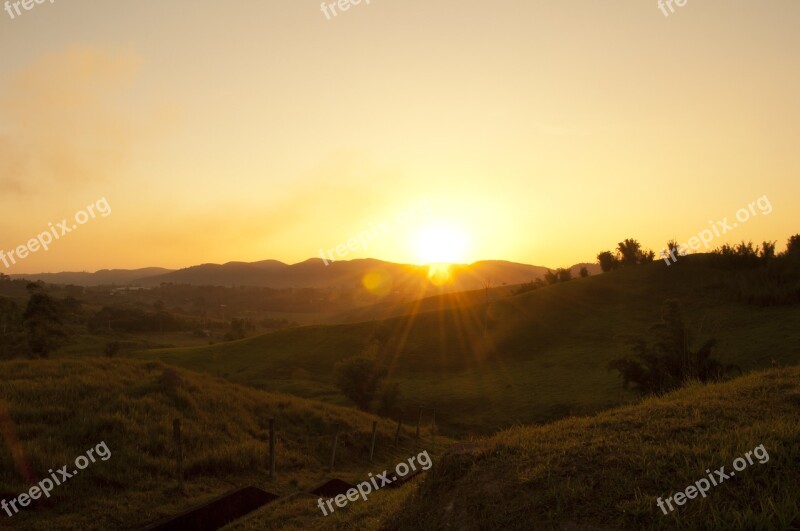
(564, 275)
(673, 244)
(584, 272)
(793, 246)
(42, 323)
(665, 361)
(767, 251)
(629, 251)
(607, 261)
(358, 378)
(551, 277)
(646, 256)
(740, 256)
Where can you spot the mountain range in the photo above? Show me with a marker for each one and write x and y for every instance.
(312, 273)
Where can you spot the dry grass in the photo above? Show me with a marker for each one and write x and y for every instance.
(606, 472)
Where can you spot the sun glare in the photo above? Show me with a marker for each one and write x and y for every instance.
(442, 244)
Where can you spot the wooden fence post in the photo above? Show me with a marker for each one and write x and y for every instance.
(271, 448)
(372, 444)
(335, 444)
(399, 425)
(176, 430)
(433, 429)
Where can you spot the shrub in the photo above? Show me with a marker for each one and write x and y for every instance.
(664, 361)
(608, 262)
(358, 378)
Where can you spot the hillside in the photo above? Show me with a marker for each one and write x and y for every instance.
(607, 472)
(444, 301)
(53, 411)
(530, 358)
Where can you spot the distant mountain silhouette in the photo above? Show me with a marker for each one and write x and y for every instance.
(312, 273)
(104, 277)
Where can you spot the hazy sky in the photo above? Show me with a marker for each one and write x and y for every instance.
(539, 132)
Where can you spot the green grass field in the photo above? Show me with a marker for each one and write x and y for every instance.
(525, 359)
(606, 472)
(53, 411)
(495, 368)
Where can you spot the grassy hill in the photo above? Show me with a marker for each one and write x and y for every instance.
(606, 472)
(53, 411)
(530, 358)
(445, 301)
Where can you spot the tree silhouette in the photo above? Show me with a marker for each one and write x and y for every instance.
(42, 322)
(767, 251)
(607, 261)
(793, 246)
(629, 251)
(359, 379)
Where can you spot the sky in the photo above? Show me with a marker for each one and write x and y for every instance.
(532, 131)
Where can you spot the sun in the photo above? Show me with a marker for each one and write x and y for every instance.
(442, 243)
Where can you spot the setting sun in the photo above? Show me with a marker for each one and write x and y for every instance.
(442, 244)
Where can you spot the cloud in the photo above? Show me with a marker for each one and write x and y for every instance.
(65, 121)
(332, 202)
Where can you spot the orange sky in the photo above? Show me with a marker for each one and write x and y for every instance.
(539, 132)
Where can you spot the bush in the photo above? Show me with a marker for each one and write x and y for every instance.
(358, 378)
(608, 262)
(764, 278)
(739, 256)
(666, 362)
(42, 323)
(530, 286)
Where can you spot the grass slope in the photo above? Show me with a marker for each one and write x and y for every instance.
(606, 472)
(387, 310)
(530, 358)
(53, 411)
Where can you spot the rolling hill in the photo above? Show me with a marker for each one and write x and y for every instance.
(608, 471)
(531, 358)
(52, 411)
